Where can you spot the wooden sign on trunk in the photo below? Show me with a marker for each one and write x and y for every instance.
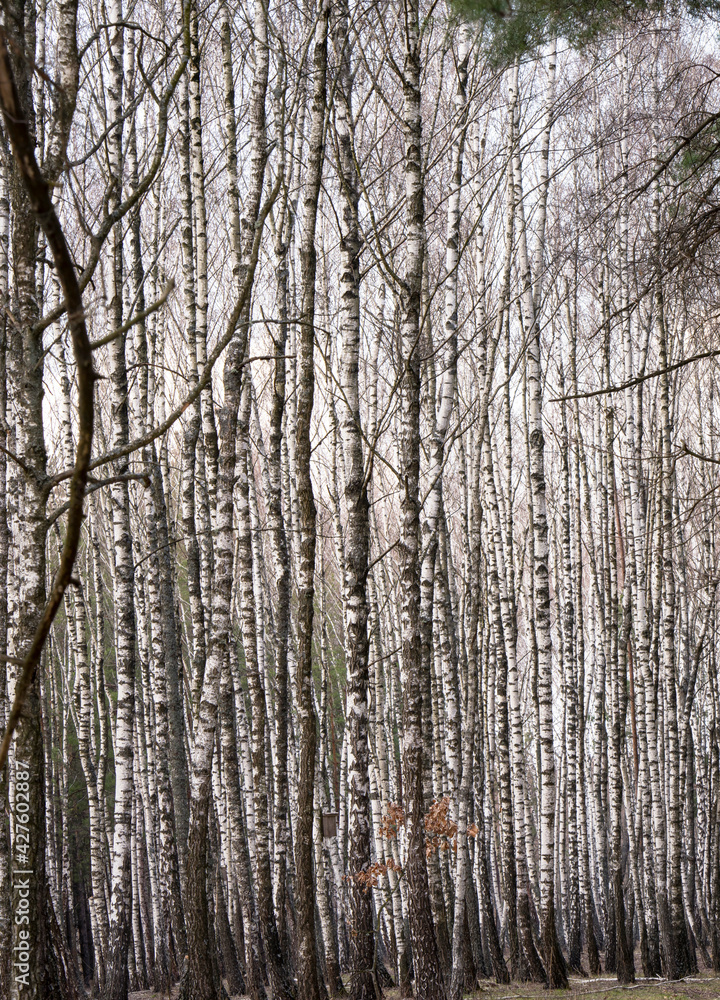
(329, 825)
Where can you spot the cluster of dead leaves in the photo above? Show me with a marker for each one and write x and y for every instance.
(440, 831)
(370, 878)
(440, 835)
(393, 819)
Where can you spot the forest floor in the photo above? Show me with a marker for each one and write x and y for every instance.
(705, 986)
(701, 987)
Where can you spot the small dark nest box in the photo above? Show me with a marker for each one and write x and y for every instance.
(329, 825)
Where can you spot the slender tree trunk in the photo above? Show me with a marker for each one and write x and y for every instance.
(428, 974)
(680, 964)
(357, 540)
(571, 707)
(554, 962)
(309, 988)
(277, 974)
(123, 592)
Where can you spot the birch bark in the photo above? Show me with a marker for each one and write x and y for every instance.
(123, 591)
(428, 974)
(554, 961)
(357, 535)
(309, 988)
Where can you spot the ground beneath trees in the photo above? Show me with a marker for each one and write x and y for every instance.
(702, 987)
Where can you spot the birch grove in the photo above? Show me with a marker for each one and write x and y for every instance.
(359, 400)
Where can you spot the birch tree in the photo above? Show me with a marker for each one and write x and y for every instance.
(384, 651)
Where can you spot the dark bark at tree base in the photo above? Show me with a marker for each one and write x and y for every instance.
(556, 969)
(624, 954)
(533, 966)
(362, 987)
(201, 980)
(592, 949)
(231, 965)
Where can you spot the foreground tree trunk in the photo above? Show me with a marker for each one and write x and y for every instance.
(530, 294)
(357, 543)
(308, 985)
(428, 974)
(47, 971)
(121, 897)
(202, 979)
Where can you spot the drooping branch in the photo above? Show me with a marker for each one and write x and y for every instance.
(41, 202)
